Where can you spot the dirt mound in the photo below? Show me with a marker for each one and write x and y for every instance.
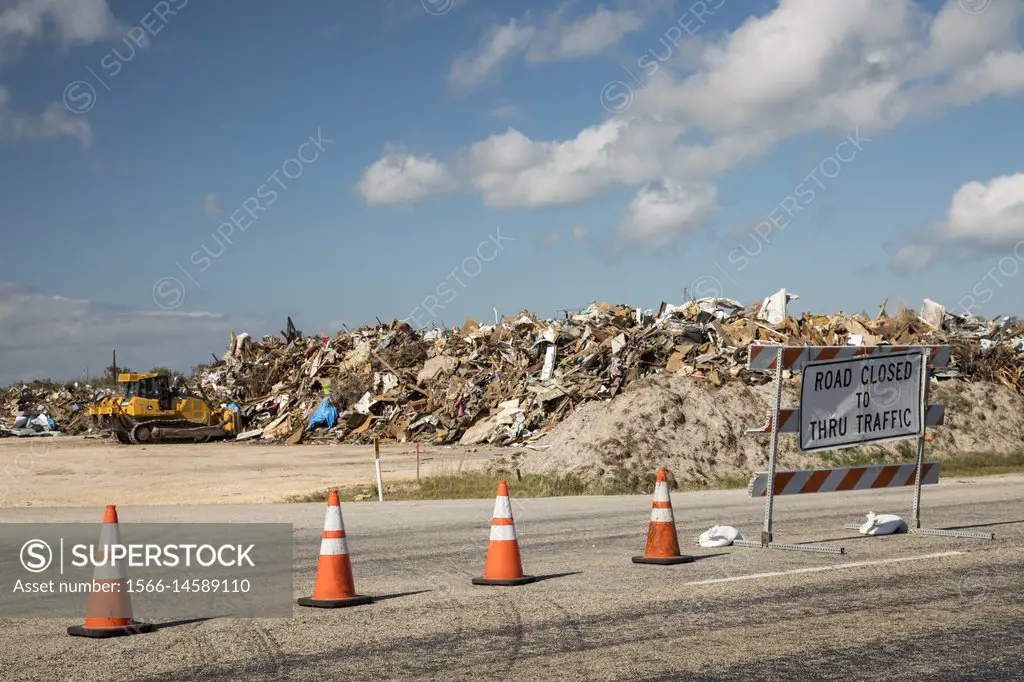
(697, 431)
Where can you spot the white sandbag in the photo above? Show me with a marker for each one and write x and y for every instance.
(719, 536)
(883, 524)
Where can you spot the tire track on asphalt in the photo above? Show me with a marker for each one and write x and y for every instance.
(507, 635)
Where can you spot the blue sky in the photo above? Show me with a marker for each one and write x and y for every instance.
(449, 129)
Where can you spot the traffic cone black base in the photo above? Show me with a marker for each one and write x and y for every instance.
(358, 600)
(682, 559)
(103, 633)
(506, 583)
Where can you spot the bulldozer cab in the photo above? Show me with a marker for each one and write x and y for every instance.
(150, 387)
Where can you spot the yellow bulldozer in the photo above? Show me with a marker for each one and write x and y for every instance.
(153, 410)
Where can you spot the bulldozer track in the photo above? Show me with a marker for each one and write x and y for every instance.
(139, 427)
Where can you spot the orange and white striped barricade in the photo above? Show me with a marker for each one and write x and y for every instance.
(821, 424)
(109, 613)
(842, 479)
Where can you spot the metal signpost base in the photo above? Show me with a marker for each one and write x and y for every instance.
(938, 532)
(953, 533)
(820, 549)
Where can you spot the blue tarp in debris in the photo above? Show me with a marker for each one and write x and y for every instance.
(325, 415)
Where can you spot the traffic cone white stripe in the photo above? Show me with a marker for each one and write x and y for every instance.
(108, 568)
(333, 546)
(110, 534)
(333, 519)
(503, 533)
(107, 572)
(662, 516)
(502, 508)
(661, 493)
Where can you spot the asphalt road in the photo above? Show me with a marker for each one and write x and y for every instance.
(898, 607)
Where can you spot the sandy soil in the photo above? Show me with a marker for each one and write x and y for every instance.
(75, 471)
(695, 431)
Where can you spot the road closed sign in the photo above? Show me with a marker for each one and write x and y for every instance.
(861, 400)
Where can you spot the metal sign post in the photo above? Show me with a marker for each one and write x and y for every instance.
(925, 381)
(773, 454)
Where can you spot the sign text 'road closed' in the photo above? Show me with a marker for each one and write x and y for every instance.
(861, 400)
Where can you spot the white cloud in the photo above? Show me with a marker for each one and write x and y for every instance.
(913, 257)
(77, 22)
(499, 44)
(54, 336)
(579, 233)
(584, 37)
(807, 66)
(982, 216)
(554, 39)
(210, 206)
(72, 23)
(399, 177)
(55, 121)
(512, 171)
(659, 213)
(987, 214)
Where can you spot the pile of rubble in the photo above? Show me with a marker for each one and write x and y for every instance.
(512, 381)
(46, 409)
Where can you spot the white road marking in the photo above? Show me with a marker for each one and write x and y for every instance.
(817, 569)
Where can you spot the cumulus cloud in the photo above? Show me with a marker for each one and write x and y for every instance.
(399, 177)
(982, 217)
(807, 66)
(553, 39)
(512, 171)
(57, 337)
(76, 22)
(71, 23)
(659, 213)
(55, 121)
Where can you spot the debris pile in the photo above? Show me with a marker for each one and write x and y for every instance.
(512, 381)
(43, 408)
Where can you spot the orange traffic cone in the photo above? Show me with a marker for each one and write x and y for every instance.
(662, 542)
(504, 565)
(109, 613)
(334, 586)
